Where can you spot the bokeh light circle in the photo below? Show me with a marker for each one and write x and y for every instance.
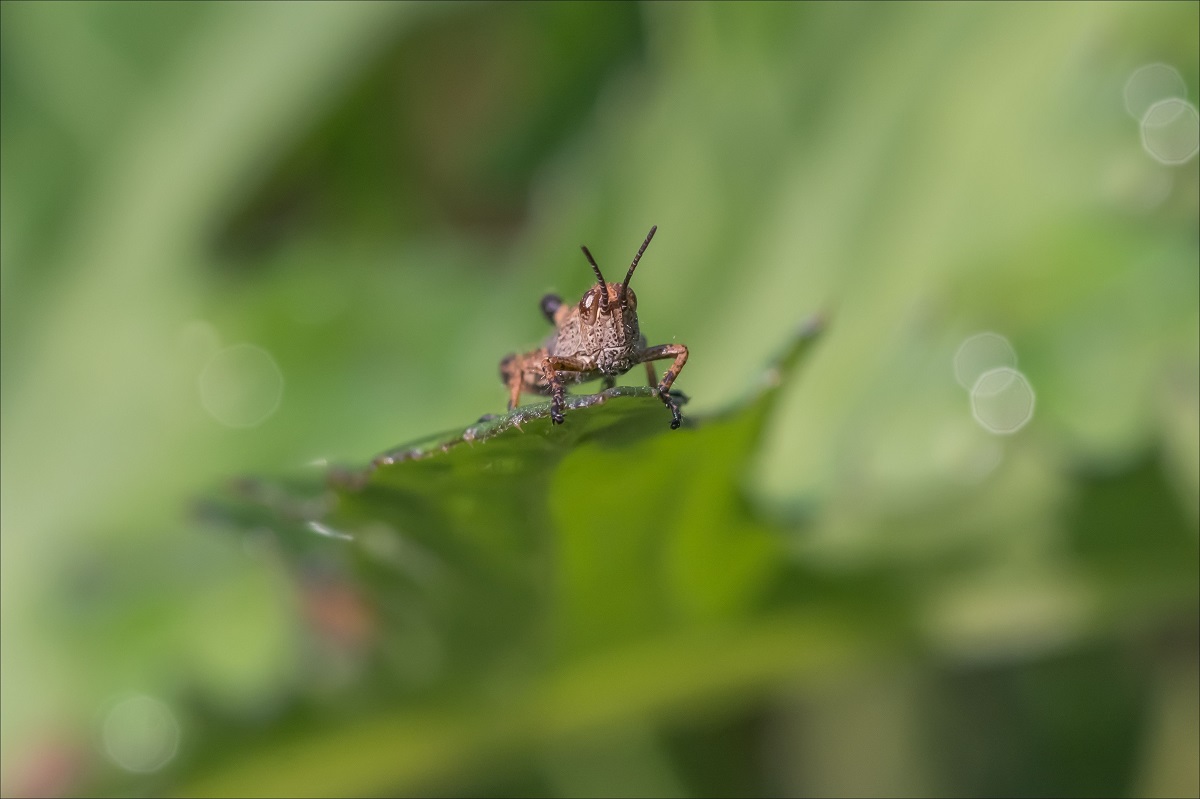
(1171, 131)
(1002, 401)
(1150, 84)
(241, 386)
(980, 353)
(140, 734)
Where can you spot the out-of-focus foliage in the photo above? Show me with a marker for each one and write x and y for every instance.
(375, 196)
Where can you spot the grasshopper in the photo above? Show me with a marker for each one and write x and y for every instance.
(597, 338)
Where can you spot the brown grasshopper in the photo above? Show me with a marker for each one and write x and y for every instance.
(598, 338)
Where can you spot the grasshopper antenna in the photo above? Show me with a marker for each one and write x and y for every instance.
(600, 277)
(636, 258)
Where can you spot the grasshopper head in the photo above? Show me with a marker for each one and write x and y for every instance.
(602, 298)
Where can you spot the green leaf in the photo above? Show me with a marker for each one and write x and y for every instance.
(611, 555)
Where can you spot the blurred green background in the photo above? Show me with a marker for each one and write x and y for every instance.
(243, 238)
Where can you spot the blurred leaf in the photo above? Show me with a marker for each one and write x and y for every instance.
(1064, 726)
(1131, 531)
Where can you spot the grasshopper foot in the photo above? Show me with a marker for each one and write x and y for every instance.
(669, 399)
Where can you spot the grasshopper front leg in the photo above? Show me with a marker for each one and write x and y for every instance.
(551, 366)
(680, 354)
